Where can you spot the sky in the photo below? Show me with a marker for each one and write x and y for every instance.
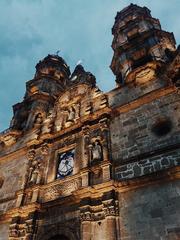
(80, 29)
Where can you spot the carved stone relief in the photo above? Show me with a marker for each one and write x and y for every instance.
(67, 116)
(35, 168)
(47, 123)
(61, 189)
(96, 151)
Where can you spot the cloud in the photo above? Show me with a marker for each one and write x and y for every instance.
(80, 29)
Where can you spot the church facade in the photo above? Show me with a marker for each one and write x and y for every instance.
(77, 163)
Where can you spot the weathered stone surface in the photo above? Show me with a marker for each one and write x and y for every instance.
(77, 163)
(148, 213)
(4, 231)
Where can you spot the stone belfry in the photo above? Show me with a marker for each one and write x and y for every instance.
(50, 79)
(139, 42)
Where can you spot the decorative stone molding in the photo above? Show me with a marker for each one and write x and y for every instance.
(44, 149)
(86, 216)
(111, 208)
(60, 189)
(9, 137)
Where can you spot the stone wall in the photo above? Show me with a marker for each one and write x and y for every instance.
(151, 213)
(132, 132)
(4, 230)
(122, 96)
(148, 165)
(13, 173)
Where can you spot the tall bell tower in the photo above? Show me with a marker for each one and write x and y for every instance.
(50, 80)
(138, 42)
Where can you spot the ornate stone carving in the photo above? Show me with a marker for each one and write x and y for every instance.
(104, 101)
(13, 231)
(61, 118)
(9, 137)
(34, 171)
(111, 208)
(86, 216)
(47, 123)
(29, 226)
(45, 149)
(61, 190)
(96, 152)
(97, 92)
(88, 108)
(66, 116)
(38, 120)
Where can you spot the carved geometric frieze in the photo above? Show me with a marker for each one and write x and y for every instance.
(61, 189)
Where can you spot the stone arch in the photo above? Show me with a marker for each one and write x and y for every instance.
(58, 231)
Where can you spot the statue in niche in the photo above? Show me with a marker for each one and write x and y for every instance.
(96, 151)
(47, 123)
(34, 171)
(77, 110)
(72, 114)
(38, 120)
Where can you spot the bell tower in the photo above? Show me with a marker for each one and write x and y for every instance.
(138, 42)
(50, 80)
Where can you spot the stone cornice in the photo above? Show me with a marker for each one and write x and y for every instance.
(147, 98)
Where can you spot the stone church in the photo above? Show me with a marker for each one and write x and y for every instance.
(77, 163)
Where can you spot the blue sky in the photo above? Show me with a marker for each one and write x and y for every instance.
(81, 29)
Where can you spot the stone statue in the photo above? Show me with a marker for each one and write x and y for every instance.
(96, 151)
(47, 123)
(34, 171)
(77, 110)
(38, 120)
(71, 116)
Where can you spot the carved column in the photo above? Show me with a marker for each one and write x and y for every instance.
(85, 149)
(90, 153)
(106, 166)
(111, 211)
(105, 138)
(86, 226)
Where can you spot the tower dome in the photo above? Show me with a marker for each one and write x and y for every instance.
(53, 66)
